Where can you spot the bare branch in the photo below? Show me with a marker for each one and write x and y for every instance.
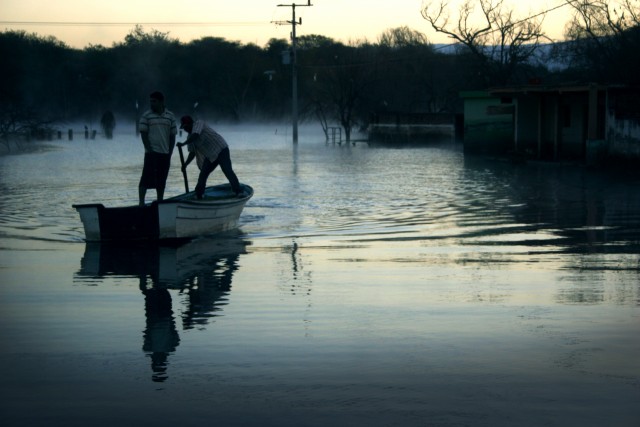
(493, 34)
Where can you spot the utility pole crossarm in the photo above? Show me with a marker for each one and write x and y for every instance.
(294, 5)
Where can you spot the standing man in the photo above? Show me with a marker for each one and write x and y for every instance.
(108, 123)
(210, 150)
(158, 131)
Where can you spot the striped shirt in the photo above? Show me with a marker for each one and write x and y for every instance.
(160, 127)
(208, 145)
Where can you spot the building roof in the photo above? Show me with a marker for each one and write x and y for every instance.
(539, 88)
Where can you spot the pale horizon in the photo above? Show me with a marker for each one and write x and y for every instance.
(82, 23)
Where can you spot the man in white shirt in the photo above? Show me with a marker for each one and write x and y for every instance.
(158, 131)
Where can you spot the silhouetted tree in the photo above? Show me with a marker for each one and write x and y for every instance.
(604, 37)
(400, 37)
(500, 44)
(337, 83)
(20, 124)
(143, 63)
(32, 73)
(337, 80)
(406, 59)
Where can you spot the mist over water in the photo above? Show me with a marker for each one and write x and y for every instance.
(365, 286)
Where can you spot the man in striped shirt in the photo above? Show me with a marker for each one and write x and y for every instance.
(209, 149)
(158, 131)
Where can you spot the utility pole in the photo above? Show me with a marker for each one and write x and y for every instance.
(294, 68)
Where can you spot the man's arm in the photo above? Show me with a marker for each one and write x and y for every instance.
(193, 137)
(145, 140)
(192, 153)
(172, 142)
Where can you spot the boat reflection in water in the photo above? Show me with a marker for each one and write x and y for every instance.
(201, 269)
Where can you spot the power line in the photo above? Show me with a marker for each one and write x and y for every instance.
(434, 47)
(528, 18)
(544, 12)
(116, 24)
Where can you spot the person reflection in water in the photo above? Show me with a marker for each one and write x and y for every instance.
(208, 292)
(160, 335)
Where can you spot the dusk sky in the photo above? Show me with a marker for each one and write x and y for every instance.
(80, 23)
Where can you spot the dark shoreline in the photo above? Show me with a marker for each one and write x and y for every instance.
(14, 148)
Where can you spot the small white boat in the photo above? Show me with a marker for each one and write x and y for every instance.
(181, 217)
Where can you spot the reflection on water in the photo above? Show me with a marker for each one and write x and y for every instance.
(589, 212)
(201, 269)
(160, 335)
(370, 287)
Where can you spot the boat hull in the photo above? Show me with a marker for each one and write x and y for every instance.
(175, 266)
(178, 218)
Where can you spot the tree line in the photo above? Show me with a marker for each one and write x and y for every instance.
(43, 82)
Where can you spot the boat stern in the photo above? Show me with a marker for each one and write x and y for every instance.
(122, 223)
(90, 217)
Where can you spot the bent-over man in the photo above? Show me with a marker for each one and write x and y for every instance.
(209, 149)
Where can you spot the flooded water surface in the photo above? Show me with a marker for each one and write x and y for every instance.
(365, 286)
